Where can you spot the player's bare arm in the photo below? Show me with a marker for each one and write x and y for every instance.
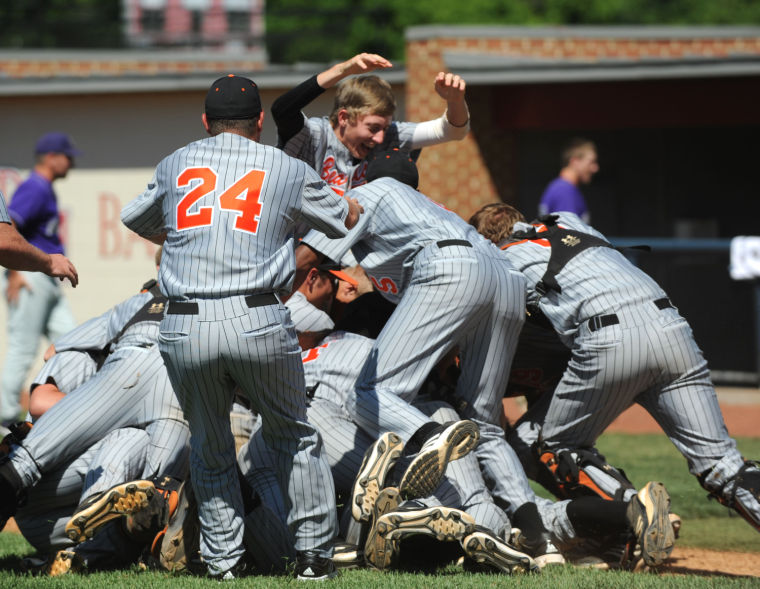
(157, 239)
(451, 88)
(362, 63)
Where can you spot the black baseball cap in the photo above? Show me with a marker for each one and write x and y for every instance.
(233, 97)
(394, 163)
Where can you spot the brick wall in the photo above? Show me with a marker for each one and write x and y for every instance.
(482, 168)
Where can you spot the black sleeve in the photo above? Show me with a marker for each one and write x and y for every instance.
(286, 110)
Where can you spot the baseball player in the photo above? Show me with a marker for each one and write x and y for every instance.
(450, 290)
(18, 254)
(131, 389)
(361, 121)
(629, 345)
(225, 208)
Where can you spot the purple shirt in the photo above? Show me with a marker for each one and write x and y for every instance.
(34, 208)
(562, 195)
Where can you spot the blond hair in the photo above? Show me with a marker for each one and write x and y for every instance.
(363, 95)
(495, 221)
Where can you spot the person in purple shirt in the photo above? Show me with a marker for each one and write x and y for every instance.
(579, 164)
(36, 305)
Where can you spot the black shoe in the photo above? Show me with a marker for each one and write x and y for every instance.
(312, 567)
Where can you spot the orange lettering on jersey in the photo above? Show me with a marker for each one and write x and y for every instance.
(359, 176)
(385, 285)
(334, 178)
(204, 215)
(312, 354)
(249, 206)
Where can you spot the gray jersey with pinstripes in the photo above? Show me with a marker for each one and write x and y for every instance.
(219, 251)
(4, 216)
(447, 295)
(598, 281)
(67, 370)
(398, 222)
(317, 145)
(648, 357)
(230, 207)
(131, 389)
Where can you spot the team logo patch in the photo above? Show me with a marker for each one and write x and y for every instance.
(571, 240)
(156, 308)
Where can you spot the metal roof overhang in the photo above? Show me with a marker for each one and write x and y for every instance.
(270, 78)
(489, 69)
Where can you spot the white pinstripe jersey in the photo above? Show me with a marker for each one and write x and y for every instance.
(335, 364)
(397, 223)
(96, 333)
(4, 216)
(230, 206)
(598, 281)
(317, 145)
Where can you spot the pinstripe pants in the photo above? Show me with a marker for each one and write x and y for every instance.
(206, 355)
(650, 358)
(117, 458)
(457, 295)
(130, 390)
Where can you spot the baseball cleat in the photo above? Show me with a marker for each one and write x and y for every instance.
(542, 549)
(486, 548)
(95, 511)
(675, 521)
(450, 442)
(445, 524)
(64, 562)
(387, 501)
(378, 460)
(648, 516)
(347, 556)
(178, 546)
(312, 567)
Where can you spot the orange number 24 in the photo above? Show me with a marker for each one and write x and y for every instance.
(248, 208)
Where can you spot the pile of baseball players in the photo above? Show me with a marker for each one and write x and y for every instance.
(316, 378)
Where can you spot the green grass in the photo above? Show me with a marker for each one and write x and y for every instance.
(643, 457)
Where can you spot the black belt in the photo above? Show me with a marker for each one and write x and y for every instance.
(664, 303)
(448, 242)
(606, 320)
(602, 321)
(254, 300)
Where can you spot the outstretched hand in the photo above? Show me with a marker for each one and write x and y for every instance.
(365, 62)
(450, 87)
(61, 267)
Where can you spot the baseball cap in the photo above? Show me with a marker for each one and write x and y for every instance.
(56, 143)
(336, 270)
(233, 97)
(395, 164)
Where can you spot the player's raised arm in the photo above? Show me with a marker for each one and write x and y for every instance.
(451, 88)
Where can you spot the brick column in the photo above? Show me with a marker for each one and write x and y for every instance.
(453, 173)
